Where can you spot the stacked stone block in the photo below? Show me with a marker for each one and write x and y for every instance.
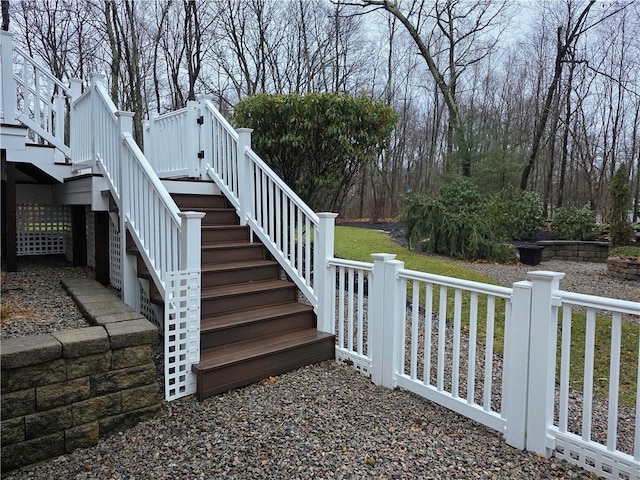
(65, 390)
(575, 251)
(624, 269)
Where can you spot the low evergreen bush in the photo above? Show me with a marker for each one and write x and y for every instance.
(515, 214)
(453, 224)
(570, 223)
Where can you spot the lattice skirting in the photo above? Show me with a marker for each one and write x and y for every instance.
(181, 332)
(596, 458)
(115, 276)
(152, 312)
(91, 238)
(43, 229)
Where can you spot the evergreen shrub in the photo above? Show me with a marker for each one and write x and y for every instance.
(570, 223)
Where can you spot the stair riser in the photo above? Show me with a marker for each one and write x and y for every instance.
(223, 217)
(233, 254)
(228, 277)
(217, 305)
(240, 333)
(255, 369)
(193, 202)
(238, 234)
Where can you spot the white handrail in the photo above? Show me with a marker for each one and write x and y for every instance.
(44, 72)
(171, 142)
(35, 97)
(153, 217)
(150, 213)
(276, 215)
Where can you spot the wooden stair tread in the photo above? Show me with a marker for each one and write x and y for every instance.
(241, 317)
(225, 355)
(222, 245)
(242, 288)
(237, 264)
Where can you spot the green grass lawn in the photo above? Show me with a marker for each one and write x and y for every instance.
(359, 243)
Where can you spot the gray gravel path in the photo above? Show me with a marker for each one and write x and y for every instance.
(322, 421)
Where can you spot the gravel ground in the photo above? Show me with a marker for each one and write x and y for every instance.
(321, 421)
(33, 300)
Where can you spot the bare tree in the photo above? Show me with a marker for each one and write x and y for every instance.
(463, 25)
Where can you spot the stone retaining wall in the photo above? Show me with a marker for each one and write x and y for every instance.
(623, 269)
(65, 390)
(574, 251)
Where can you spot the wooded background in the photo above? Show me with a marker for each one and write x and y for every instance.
(538, 95)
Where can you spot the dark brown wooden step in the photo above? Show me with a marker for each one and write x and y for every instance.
(219, 216)
(243, 325)
(228, 298)
(226, 233)
(239, 272)
(238, 364)
(219, 252)
(186, 201)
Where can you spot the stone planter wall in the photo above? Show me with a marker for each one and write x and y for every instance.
(574, 251)
(65, 390)
(623, 269)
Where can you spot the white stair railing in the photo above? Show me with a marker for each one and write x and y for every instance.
(171, 142)
(31, 95)
(300, 239)
(167, 240)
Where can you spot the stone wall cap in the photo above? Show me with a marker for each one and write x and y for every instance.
(572, 242)
(83, 341)
(73, 283)
(131, 333)
(117, 317)
(31, 350)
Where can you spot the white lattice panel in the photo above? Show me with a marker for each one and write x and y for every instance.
(115, 276)
(91, 239)
(596, 458)
(181, 332)
(152, 312)
(42, 229)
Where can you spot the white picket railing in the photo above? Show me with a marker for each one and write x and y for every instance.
(32, 96)
(171, 142)
(596, 441)
(291, 231)
(421, 332)
(167, 240)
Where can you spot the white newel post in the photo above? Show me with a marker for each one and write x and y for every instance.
(148, 136)
(377, 299)
(190, 242)
(204, 133)
(542, 359)
(516, 364)
(322, 271)
(127, 262)
(245, 178)
(8, 104)
(394, 306)
(96, 79)
(59, 124)
(74, 121)
(191, 143)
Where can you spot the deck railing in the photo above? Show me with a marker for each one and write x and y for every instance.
(171, 142)
(167, 240)
(295, 235)
(31, 95)
(489, 353)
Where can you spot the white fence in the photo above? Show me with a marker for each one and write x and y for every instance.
(31, 95)
(167, 240)
(296, 236)
(489, 353)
